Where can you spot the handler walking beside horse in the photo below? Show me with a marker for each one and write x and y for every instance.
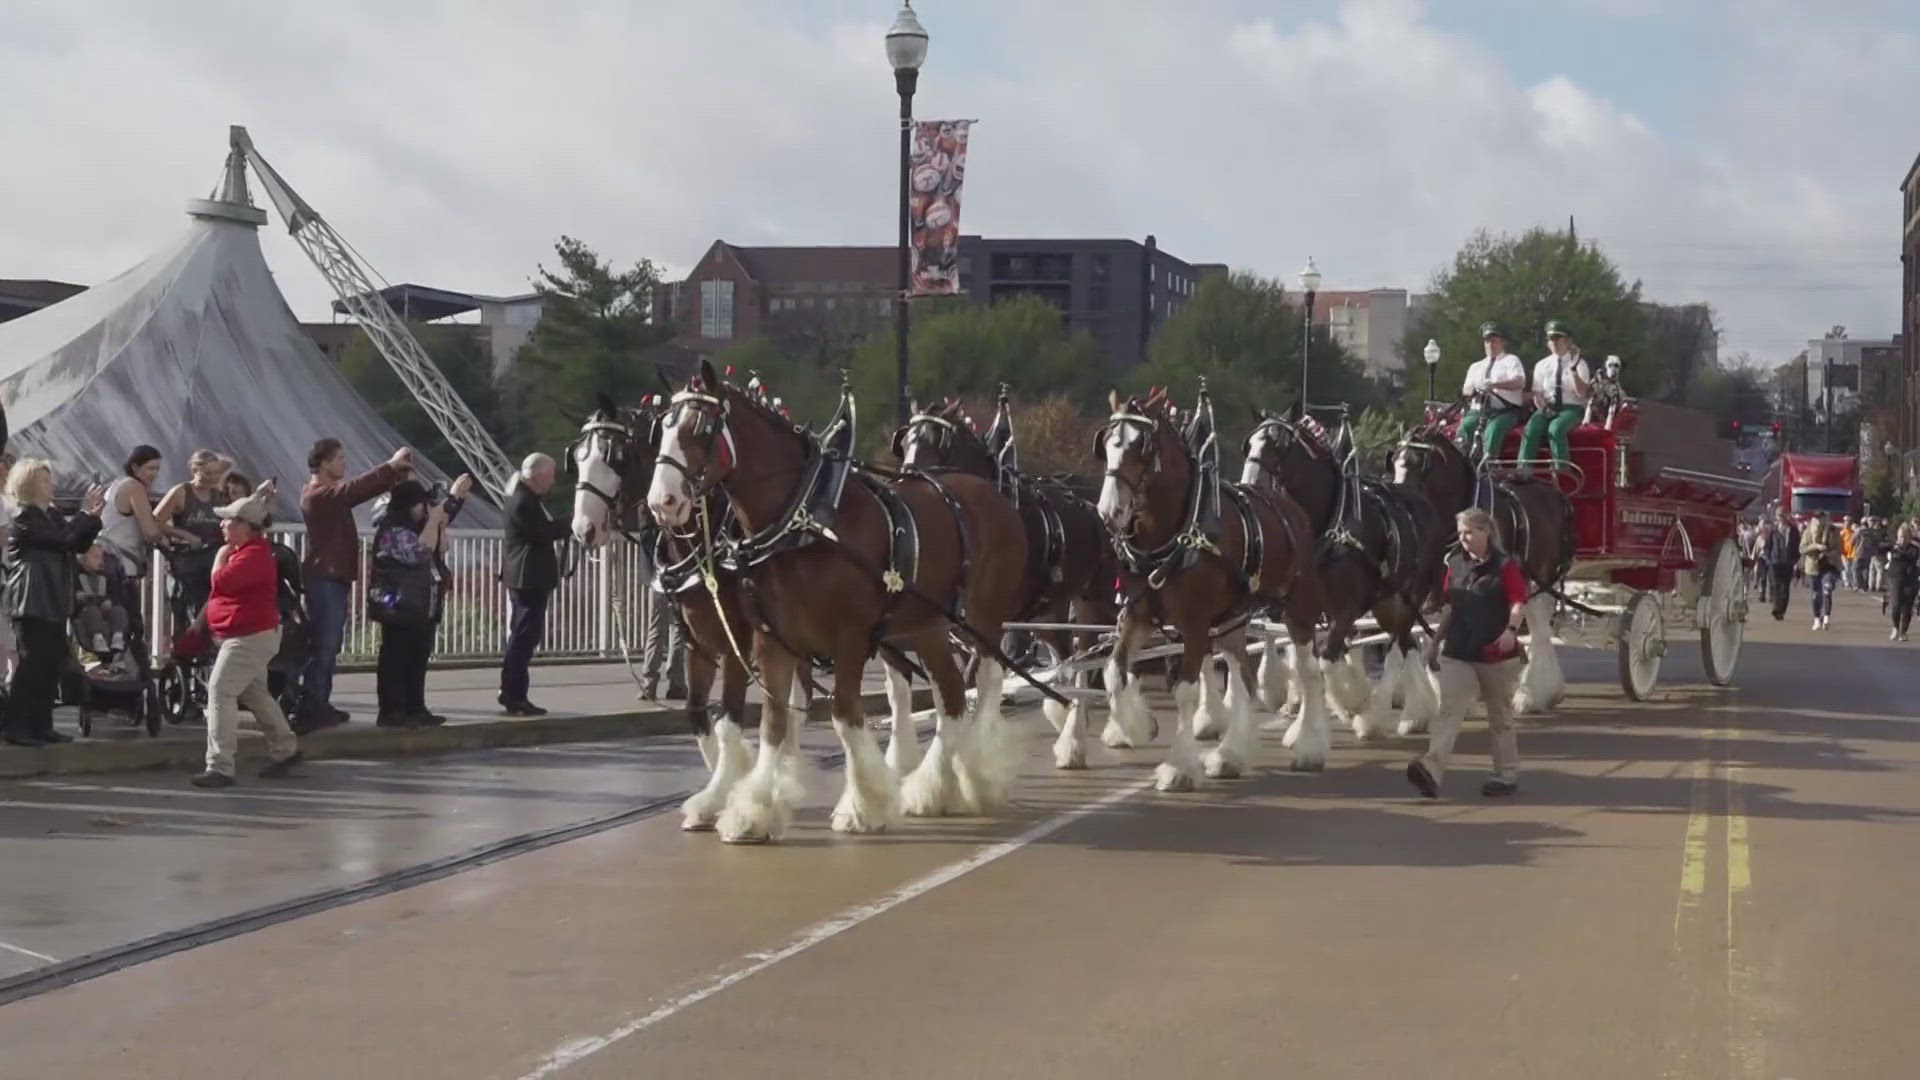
(1476, 650)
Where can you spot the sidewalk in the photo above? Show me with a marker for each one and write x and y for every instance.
(587, 703)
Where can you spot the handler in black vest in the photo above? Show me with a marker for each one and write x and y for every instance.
(1476, 652)
(531, 571)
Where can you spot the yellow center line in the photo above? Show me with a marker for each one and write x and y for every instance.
(1693, 853)
(1739, 867)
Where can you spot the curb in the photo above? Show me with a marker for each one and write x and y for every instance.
(365, 740)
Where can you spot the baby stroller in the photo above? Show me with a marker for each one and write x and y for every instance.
(112, 669)
(184, 679)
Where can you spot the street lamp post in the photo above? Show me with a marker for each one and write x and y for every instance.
(906, 50)
(1309, 284)
(1432, 355)
(1826, 396)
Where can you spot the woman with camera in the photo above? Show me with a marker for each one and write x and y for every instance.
(41, 550)
(405, 596)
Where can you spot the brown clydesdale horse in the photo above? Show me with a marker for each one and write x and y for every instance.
(1533, 520)
(1381, 549)
(832, 566)
(611, 461)
(1070, 565)
(1201, 566)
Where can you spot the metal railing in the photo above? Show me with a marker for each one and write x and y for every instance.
(590, 613)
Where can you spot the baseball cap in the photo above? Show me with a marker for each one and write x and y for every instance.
(253, 510)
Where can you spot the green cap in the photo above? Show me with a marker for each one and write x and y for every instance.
(1491, 329)
(1560, 327)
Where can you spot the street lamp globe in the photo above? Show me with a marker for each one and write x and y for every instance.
(1431, 353)
(907, 41)
(1310, 277)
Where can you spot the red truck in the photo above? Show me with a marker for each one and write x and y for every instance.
(1813, 482)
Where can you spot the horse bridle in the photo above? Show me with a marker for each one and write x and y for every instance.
(714, 427)
(944, 437)
(619, 434)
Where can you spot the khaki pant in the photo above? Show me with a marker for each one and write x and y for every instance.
(1460, 683)
(239, 678)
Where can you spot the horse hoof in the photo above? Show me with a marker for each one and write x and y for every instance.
(1170, 780)
(696, 825)
(746, 838)
(1309, 765)
(1223, 770)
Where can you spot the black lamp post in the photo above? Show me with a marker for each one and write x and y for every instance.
(1432, 355)
(1309, 284)
(906, 50)
(1826, 396)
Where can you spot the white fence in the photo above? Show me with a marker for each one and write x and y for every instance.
(589, 613)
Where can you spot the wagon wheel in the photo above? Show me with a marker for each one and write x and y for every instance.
(1643, 641)
(151, 708)
(1725, 625)
(175, 695)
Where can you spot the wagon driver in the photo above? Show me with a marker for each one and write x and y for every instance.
(1497, 387)
(1561, 383)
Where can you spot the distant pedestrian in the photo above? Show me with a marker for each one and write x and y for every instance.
(8, 650)
(332, 564)
(243, 616)
(42, 551)
(1903, 578)
(1476, 652)
(1848, 532)
(1782, 556)
(1820, 560)
(531, 571)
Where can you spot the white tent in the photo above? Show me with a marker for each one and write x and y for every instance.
(193, 348)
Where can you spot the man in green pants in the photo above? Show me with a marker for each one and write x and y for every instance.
(1496, 387)
(1561, 383)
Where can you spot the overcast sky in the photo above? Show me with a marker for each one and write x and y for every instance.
(1743, 152)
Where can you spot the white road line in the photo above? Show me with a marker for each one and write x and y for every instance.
(576, 1050)
(43, 957)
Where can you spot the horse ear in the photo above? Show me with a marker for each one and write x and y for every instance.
(606, 405)
(913, 406)
(708, 375)
(1113, 400)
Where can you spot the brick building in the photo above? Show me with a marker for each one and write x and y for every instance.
(1370, 323)
(1117, 291)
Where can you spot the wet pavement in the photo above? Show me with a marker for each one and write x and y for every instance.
(1714, 884)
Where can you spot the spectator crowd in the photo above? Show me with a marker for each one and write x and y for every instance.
(261, 626)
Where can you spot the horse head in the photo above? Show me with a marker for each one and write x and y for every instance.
(611, 464)
(1147, 466)
(942, 436)
(1427, 459)
(709, 427)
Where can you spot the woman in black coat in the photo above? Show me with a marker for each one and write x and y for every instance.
(41, 549)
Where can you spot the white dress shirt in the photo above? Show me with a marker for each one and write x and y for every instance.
(1544, 374)
(1485, 371)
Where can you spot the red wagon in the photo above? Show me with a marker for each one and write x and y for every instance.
(1656, 542)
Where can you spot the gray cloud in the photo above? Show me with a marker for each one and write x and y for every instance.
(453, 143)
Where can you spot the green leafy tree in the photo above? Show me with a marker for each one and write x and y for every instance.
(1242, 334)
(1521, 283)
(468, 367)
(965, 351)
(1683, 351)
(595, 322)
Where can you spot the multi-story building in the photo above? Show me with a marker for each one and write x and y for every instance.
(503, 323)
(1117, 291)
(1370, 323)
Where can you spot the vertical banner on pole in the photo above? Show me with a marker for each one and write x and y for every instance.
(935, 169)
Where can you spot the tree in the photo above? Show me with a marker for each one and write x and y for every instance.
(1243, 335)
(965, 351)
(458, 353)
(1521, 283)
(595, 321)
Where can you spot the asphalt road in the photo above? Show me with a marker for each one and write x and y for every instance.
(1719, 883)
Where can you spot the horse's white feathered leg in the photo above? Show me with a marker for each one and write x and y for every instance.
(1314, 738)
